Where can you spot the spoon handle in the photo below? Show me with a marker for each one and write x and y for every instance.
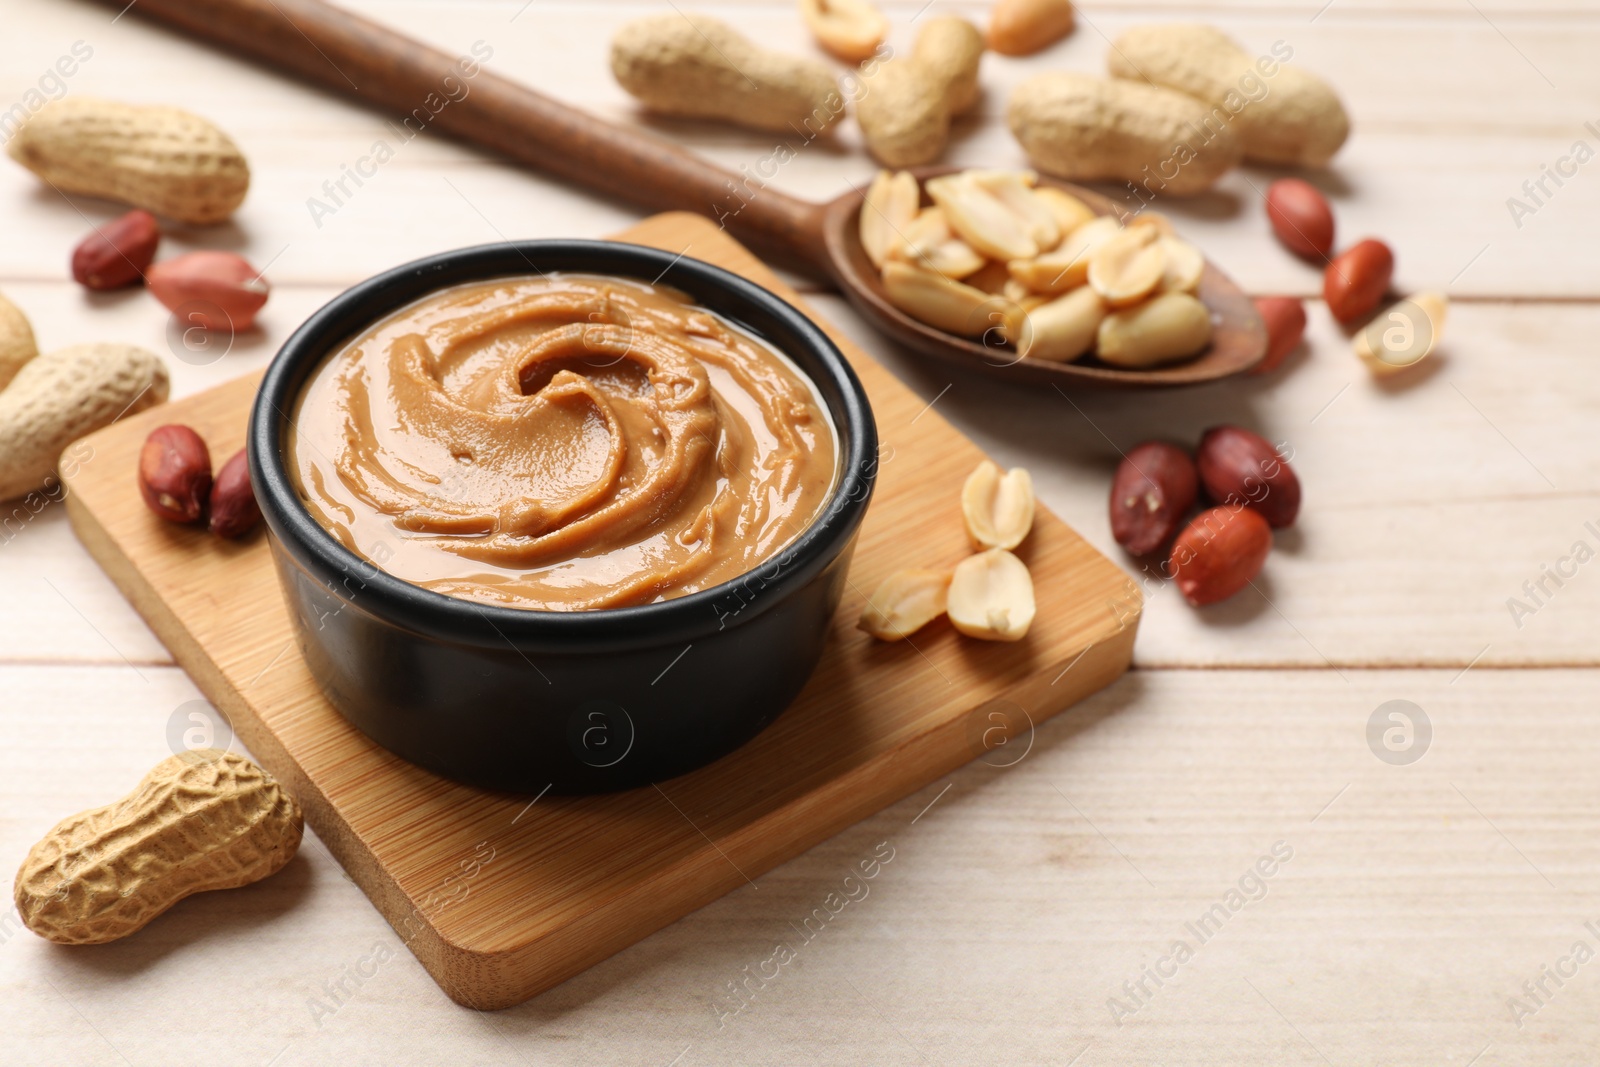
(427, 89)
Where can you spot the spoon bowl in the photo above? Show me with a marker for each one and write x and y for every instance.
(1238, 343)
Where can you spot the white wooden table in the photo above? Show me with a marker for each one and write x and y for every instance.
(1417, 900)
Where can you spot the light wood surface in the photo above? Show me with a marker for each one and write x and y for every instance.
(502, 896)
(1407, 917)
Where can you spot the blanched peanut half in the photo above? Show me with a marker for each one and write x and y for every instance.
(1153, 219)
(905, 603)
(1013, 323)
(929, 244)
(1064, 328)
(992, 278)
(926, 232)
(998, 508)
(890, 207)
(1403, 335)
(1015, 190)
(1163, 328)
(1067, 267)
(1183, 265)
(980, 219)
(851, 30)
(940, 302)
(991, 596)
(1023, 27)
(954, 259)
(1126, 267)
(1069, 211)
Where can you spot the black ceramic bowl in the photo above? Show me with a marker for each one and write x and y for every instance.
(577, 701)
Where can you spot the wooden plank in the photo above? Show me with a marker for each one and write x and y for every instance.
(580, 878)
(1408, 187)
(1428, 503)
(1453, 138)
(1013, 910)
(1408, 916)
(1486, 67)
(1397, 562)
(1457, 460)
(56, 605)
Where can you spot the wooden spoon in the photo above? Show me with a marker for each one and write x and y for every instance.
(353, 56)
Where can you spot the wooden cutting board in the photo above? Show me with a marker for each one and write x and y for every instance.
(503, 896)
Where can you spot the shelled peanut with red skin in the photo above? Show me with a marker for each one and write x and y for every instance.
(211, 290)
(175, 473)
(1219, 553)
(1153, 489)
(1242, 468)
(1222, 549)
(1301, 218)
(1285, 317)
(234, 511)
(117, 254)
(1354, 283)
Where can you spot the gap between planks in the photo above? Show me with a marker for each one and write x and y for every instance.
(1284, 666)
(1352, 10)
(810, 288)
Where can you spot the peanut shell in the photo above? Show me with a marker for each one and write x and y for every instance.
(59, 397)
(162, 159)
(903, 114)
(198, 821)
(696, 66)
(1297, 119)
(950, 48)
(1083, 128)
(17, 346)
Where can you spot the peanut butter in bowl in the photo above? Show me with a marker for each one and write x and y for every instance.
(561, 442)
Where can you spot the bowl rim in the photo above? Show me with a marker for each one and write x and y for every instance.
(462, 621)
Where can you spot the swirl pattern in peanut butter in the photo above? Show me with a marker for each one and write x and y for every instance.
(561, 442)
